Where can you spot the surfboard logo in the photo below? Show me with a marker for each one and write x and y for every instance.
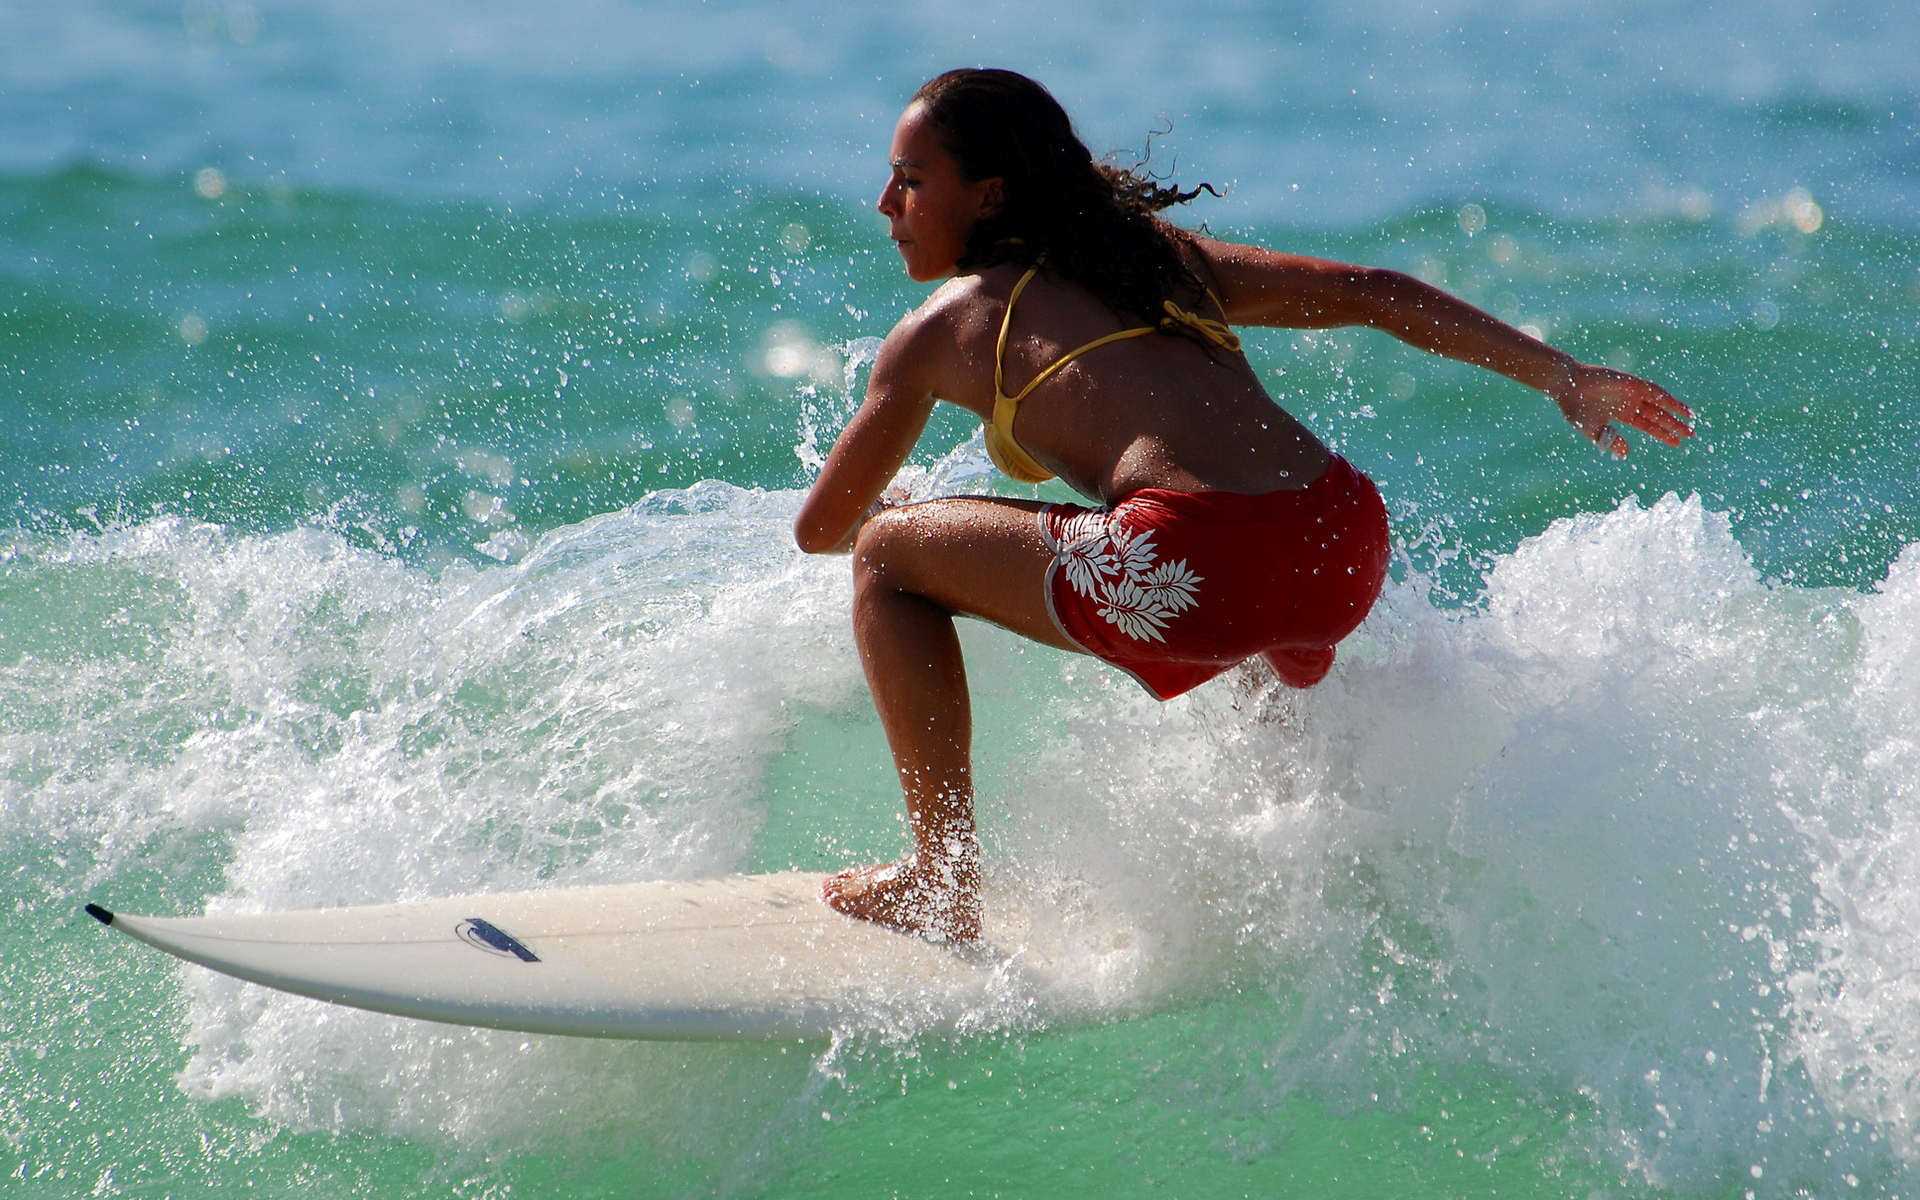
(485, 935)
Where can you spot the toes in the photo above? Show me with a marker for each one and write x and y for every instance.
(891, 894)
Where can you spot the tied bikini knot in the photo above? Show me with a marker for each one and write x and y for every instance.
(1216, 332)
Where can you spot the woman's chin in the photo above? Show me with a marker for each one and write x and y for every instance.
(922, 271)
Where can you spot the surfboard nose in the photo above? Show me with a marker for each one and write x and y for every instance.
(100, 914)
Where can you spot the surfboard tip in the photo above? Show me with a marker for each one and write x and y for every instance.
(100, 914)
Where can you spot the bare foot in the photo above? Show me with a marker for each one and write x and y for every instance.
(903, 896)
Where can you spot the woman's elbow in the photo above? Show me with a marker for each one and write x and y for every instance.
(807, 538)
(812, 539)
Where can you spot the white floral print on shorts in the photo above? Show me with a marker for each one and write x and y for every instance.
(1119, 571)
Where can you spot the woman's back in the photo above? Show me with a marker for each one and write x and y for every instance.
(1157, 410)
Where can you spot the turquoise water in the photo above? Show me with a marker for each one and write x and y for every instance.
(401, 417)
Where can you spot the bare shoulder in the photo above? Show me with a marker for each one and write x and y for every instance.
(940, 315)
(1259, 286)
(1233, 262)
(961, 305)
(941, 345)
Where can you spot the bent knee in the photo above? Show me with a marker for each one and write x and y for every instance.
(953, 551)
(878, 547)
(901, 548)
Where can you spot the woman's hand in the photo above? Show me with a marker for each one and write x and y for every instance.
(1593, 399)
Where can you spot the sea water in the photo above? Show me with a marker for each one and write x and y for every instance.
(402, 413)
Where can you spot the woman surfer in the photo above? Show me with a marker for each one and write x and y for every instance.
(1092, 338)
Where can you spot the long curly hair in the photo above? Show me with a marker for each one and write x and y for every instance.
(1095, 224)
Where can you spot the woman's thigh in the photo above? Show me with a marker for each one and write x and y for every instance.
(977, 555)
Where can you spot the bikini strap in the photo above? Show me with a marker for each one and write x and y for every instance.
(1006, 323)
(1217, 332)
(1054, 366)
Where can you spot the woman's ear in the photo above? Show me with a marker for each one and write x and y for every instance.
(994, 196)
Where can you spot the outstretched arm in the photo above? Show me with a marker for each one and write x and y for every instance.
(1262, 287)
(872, 448)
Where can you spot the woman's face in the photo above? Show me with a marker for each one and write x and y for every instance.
(928, 206)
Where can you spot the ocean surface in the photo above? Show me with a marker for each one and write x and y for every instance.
(402, 412)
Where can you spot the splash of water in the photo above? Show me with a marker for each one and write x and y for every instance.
(1638, 826)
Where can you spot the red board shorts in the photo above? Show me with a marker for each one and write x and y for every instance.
(1176, 587)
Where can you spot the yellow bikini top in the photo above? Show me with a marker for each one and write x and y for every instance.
(1002, 447)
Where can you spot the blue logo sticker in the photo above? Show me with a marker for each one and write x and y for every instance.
(489, 937)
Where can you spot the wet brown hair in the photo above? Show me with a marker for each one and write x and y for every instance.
(1096, 224)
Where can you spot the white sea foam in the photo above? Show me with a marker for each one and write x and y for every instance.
(1637, 826)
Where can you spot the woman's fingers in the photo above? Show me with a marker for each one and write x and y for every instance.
(1602, 398)
(1660, 415)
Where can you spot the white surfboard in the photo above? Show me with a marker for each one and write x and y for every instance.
(752, 956)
